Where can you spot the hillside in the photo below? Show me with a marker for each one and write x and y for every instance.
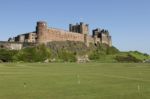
(97, 53)
(70, 51)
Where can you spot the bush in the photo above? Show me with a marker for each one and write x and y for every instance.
(145, 54)
(33, 54)
(128, 58)
(94, 55)
(101, 51)
(67, 56)
(7, 55)
(112, 50)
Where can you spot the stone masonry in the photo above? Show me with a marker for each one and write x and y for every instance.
(78, 32)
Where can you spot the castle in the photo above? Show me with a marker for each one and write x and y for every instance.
(79, 32)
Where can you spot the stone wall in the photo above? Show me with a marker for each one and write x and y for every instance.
(61, 35)
(90, 39)
(78, 32)
(45, 34)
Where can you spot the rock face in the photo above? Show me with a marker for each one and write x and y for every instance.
(78, 32)
(147, 61)
(82, 59)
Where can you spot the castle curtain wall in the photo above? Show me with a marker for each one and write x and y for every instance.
(78, 32)
(62, 35)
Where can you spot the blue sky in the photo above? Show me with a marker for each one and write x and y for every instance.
(127, 20)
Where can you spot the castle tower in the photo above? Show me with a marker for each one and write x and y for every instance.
(41, 30)
(82, 29)
(102, 36)
(96, 35)
(105, 37)
(79, 28)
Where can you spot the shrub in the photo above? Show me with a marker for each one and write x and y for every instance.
(33, 54)
(94, 56)
(7, 55)
(67, 56)
(128, 58)
(112, 50)
(101, 51)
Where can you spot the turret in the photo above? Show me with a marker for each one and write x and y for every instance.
(41, 30)
(70, 27)
(82, 29)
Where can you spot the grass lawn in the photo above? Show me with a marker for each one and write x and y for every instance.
(74, 81)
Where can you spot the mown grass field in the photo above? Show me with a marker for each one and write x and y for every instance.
(75, 81)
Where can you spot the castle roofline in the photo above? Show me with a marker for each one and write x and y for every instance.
(41, 22)
(79, 23)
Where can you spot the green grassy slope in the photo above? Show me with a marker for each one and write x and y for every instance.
(139, 55)
(74, 81)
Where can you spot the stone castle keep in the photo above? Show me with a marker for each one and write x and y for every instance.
(79, 32)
